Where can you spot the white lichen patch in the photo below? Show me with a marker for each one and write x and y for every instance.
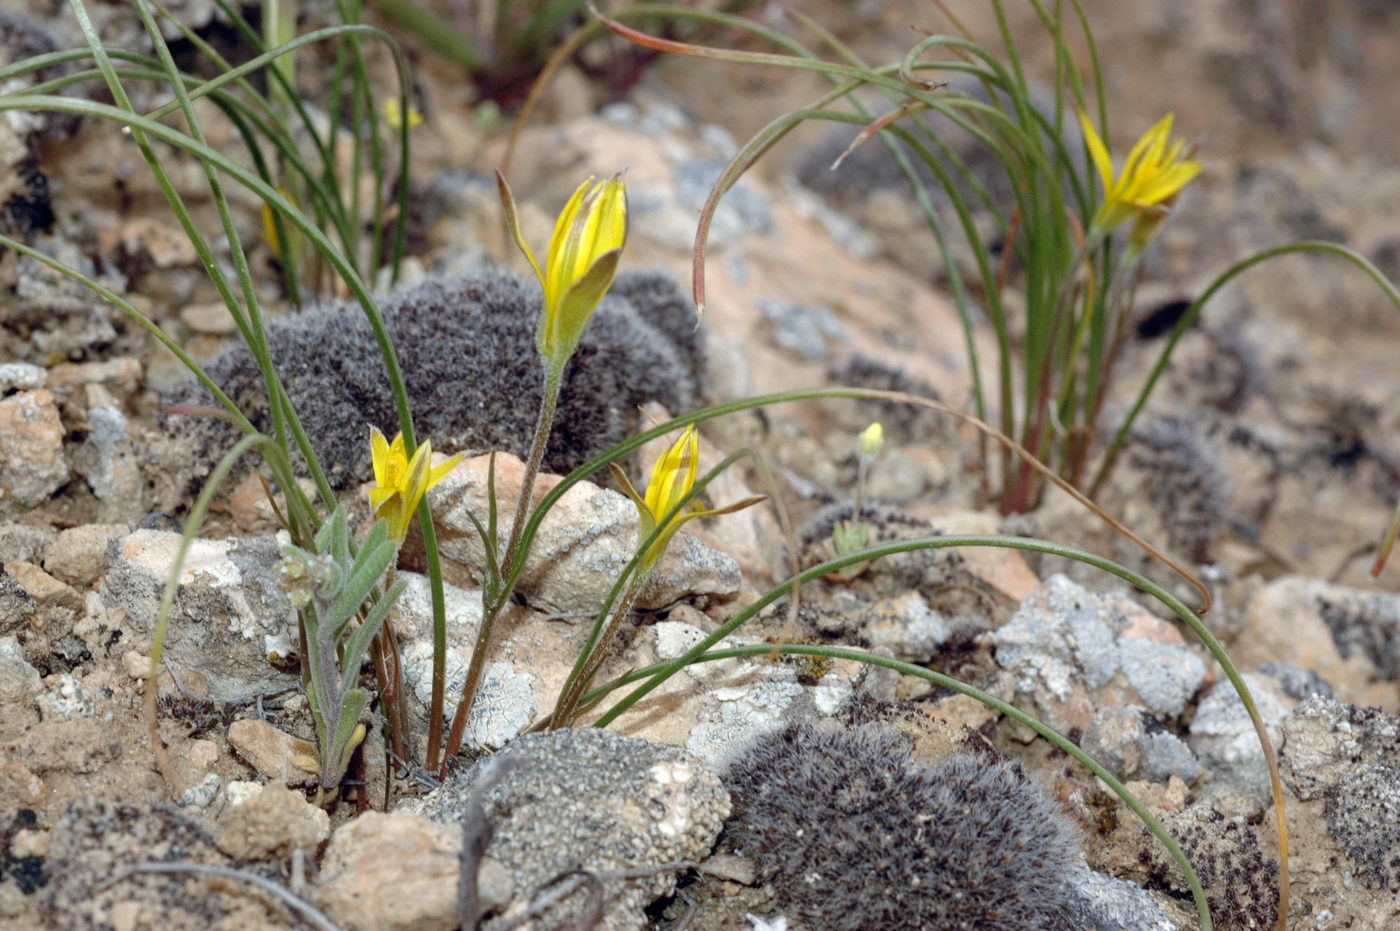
(672, 778)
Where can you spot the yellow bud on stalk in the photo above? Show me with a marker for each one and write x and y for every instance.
(672, 479)
(872, 440)
(583, 256)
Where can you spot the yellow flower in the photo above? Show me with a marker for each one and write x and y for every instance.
(672, 478)
(401, 482)
(393, 115)
(1153, 175)
(583, 256)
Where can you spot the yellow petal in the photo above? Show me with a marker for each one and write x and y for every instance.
(612, 209)
(1097, 151)
(379, 456)
(1169, 182)
(1139, 154)
(440, 472)
(663, 491)
(557, 275)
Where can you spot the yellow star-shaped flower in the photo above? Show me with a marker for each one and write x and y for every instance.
(1155, 172)
(401, 482)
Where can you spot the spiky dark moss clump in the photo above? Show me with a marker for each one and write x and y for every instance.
(466, 346)
(851, 833)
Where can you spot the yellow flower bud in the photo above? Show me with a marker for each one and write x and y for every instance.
(583, 256)
(672, 479)
(1153, 175)
(393, 115)
(399, 481)
(872, 440)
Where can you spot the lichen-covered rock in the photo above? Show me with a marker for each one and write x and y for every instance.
(109, 457)
(230, 612)
(716, 709)
(1324, 739)
(592, 800)
(1133, 744)
(1363, 811)
(1075, 651)
(1240, 880)
(1347, 636)
(1224, 737)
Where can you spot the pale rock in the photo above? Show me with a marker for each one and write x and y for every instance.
(250, 508)
(1224, 738)
(201, 754)
(213, 319)
(136, 665)
(108, 458)
(32, 466)
(583, 544)
(123, 373)
(274, 753)
(19, 783)
(80, 745)
(78, 554)
(201, 793)
(392, 872)
(44, 588)
(64, 699)
(27, 843)
(19, 681)
(24, 542)
(163, 243)
(1342, 634)
(1003, 568)
(238, 791)
(1074, 651)
(275, 821)
(21, 376)
(229, 614)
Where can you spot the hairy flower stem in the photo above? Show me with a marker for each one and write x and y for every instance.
(568, 703)
(492, 609)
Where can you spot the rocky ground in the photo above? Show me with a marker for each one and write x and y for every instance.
(758, 793)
